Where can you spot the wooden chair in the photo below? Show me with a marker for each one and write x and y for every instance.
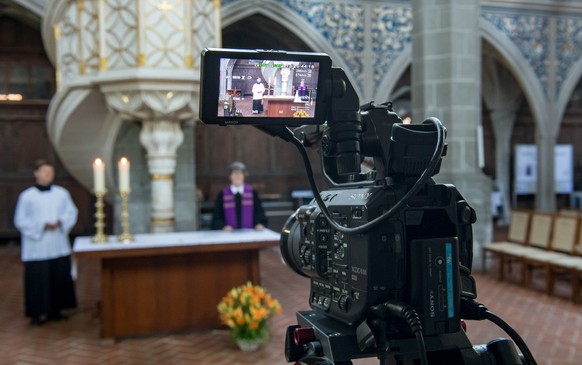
(568, 262)
(569, 212)
(564, 237)
(538, 240)
(517, 237)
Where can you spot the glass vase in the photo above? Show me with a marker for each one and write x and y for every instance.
(249, 345)
(252, 344)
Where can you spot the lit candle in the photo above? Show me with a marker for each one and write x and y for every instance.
(123, 175)
(98, 176)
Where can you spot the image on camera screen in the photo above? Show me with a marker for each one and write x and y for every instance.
(267, 88)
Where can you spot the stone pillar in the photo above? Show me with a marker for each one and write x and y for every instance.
(546, 136)
(548, 129)
(503, 120)
(136, 61)
(446, 83)
(161, 114)
(503, 98)
(161, 139)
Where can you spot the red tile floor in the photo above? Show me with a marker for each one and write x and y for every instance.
(551, 326)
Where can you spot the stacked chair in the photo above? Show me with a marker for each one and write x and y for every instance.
(565, 257)
(542, 241)
(517, 239)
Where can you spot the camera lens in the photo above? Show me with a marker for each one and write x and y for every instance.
(295, 249)
(290, 244)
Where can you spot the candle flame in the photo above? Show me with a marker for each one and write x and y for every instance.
(123, 161)
(98, 161)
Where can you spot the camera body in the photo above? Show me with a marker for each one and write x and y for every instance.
(413, 257)
(389, 251)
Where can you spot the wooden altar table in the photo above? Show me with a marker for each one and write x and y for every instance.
(281, 106)
(167, 282)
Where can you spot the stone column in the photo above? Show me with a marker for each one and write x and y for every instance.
(503, 120)
(503, 98)
(446, 83)
(548, 128)
(546, 136)
(161, 115)
(161, 139)
(136, 61)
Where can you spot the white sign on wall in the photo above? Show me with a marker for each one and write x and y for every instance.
(526, 169)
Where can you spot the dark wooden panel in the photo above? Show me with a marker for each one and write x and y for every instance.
(254, 150)
(32, 144)
(23, 130)
(23, 139)
(275, 167)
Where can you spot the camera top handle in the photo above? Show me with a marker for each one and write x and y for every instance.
(345, 125)
(343, 141)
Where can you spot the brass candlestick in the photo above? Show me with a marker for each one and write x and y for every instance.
(100, 236)
(125, 236)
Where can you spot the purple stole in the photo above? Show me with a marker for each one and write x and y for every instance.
(247, 208)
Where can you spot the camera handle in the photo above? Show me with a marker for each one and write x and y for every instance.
(347, 127)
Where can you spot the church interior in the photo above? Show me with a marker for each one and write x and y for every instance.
(48, 111)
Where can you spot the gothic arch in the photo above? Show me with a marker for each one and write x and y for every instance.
(277, 12)
(37, 7)
(512, 58)
(397, 68)
(523, 73)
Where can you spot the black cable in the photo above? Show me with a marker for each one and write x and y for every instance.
(473, 310)
(421, 347)
(410, 316)
(427, 173)
(513, 334)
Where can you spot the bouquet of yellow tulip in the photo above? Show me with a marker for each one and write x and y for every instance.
(300, 114)
(246, 309)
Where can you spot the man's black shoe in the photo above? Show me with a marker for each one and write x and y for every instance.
(57, 317)
(36, 322)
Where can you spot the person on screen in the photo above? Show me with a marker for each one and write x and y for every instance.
(302, 89)
(258, 91)
(238, 205)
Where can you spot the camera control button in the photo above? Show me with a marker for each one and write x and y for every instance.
(343, 303)
(326, 302)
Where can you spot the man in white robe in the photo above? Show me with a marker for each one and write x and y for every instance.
(45, 214)
(258, 91)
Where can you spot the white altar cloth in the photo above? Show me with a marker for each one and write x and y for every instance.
(173, 239)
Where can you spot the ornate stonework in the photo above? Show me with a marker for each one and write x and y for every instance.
(97, 36)
(530, 33)
(140, 60)
(341, 23)
(391, 34)
(144, 55)
(569, 45)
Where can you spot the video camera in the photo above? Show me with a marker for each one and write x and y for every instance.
(388, 251)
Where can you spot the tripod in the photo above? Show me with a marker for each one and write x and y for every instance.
(321, 340)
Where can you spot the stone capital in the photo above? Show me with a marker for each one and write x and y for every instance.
(151, 105)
